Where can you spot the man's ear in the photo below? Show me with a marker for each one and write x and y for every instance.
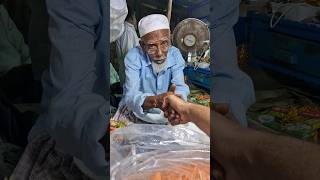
(170, 37)
(141, 44)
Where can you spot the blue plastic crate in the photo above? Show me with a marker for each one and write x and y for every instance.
(291, 48)
(199, 77)
(241, 31)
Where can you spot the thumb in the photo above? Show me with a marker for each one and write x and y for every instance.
(172, 88)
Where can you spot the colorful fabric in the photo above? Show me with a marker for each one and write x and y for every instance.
(41, 161)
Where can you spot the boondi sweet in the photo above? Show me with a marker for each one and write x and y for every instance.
(194, 170)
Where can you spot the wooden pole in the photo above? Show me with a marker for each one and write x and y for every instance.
(169, 10)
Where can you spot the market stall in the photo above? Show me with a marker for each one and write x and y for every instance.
(141, 150)
(288, 112)
(274, 41)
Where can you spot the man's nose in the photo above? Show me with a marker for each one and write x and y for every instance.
(160, 52)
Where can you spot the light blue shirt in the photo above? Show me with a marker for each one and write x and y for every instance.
(142, 81)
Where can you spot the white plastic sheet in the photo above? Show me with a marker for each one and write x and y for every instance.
(151, 151)
(171, 165)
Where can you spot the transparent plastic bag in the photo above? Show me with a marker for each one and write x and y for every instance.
(165, 165)
(143, 138)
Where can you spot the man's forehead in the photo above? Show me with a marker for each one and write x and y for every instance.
(159, 35)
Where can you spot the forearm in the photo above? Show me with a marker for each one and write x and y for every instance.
(286, 157)
(137, 101)
(200, 115)
(259, 155)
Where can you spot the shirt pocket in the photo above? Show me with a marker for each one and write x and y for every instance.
(164, 81)
(148, 81)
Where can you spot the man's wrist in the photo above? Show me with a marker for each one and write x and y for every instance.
(150, 102)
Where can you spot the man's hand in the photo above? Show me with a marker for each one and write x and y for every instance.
(158, 101)
(180, 108)
(169, 112)
(161, 99)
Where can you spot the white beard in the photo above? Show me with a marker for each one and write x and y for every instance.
(157, 68)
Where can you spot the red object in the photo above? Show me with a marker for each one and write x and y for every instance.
(279, 109)
(311, 114)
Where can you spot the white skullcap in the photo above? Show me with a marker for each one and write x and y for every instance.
(153, 22)
(118, 14)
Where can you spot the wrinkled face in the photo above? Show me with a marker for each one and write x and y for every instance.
(156, 44)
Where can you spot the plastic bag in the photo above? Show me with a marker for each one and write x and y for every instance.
(160, 165)
(143, 138)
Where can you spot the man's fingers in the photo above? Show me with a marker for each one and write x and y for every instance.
(174, 121)
(169, 113)
(166, 114)
(172, 115)
(172, 88)
(165, 103)
(177, 121)
(173, 112)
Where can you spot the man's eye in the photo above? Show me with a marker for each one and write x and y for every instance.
(165, 43)
(151, 46)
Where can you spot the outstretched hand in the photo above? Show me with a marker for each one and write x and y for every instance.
(176, 110)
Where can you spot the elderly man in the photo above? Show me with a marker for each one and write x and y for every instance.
(152, 68)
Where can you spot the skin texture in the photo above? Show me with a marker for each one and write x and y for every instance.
(156, 44)
(249, 154)
(157, 101)
(187, 112)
